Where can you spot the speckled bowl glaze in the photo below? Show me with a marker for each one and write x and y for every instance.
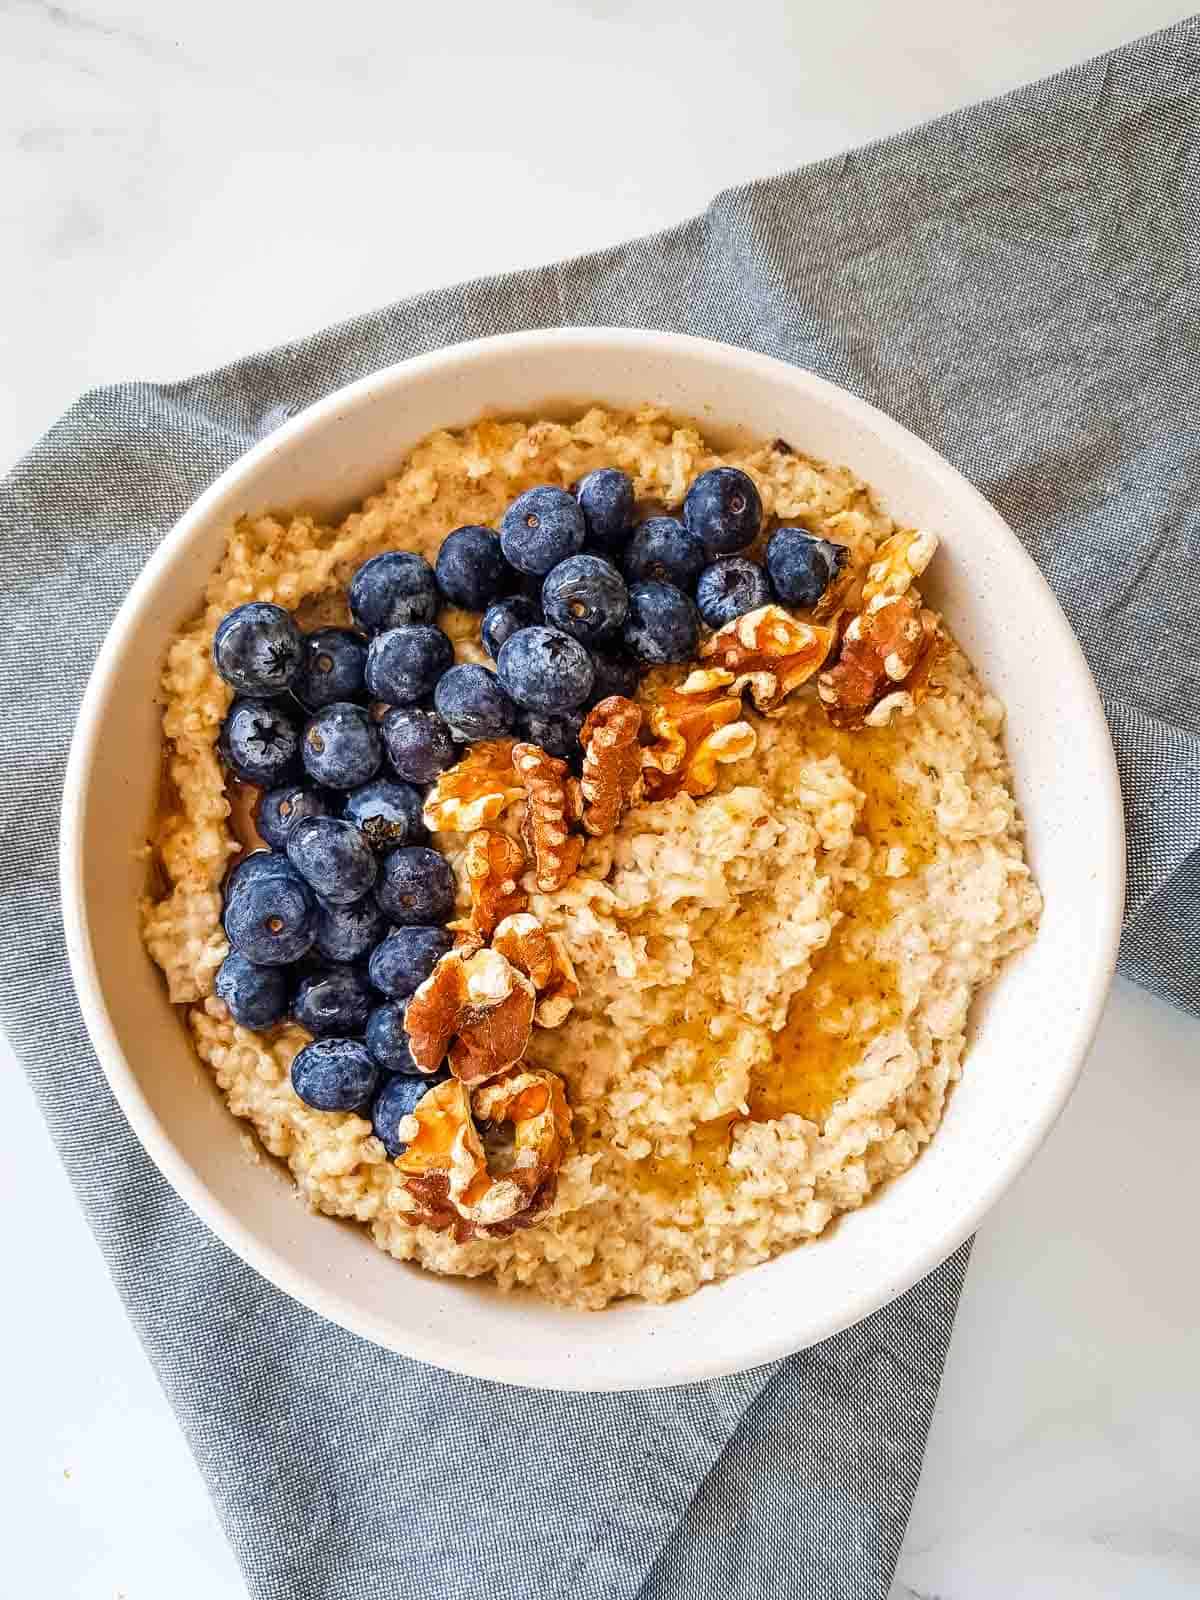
(1030, 1030)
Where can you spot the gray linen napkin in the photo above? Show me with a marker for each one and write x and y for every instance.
(1018, 283)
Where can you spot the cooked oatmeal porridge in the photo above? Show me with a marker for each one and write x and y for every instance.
(700, 1002)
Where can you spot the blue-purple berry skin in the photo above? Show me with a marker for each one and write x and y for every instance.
(332, 668)
(280, 809)
(545, 670)
(802, 566)
(505, 617)
(724, 508)
(333, 858)
(416, 887)
(335, 1075)
(256, 997)
(585, 596)
(663, 625)
(730, 588)
(393, 589)
(474, 704)
(387, 813)
(404, 664)
(542, 527)
(349, 933)
(334, 1002)
(417, 743)
(606, 500)
(471, 570)
(663, 550)
(258, 649)
(387, 1040)
(260, 742)
(400, 963)
(270, 918)
(341, 747)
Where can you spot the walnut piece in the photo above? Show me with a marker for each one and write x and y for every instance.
(769, 652)
(445, 1168)
(612, 762)
(888, 653)
(494, 863)
(475, 1008)
(542, 957)
(554, 804)
(697, 725)
(475, 790)
(899, 562)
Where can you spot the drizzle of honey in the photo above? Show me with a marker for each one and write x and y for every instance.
(823, 1040)
(243, 804)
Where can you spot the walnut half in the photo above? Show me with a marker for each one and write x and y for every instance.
(554, 803)
(475, 1008)
(612, 762)
(697, 726)
(445, 1168)
(769, 652)
(475, 790)
(888, 653)
(542, 957)
(494, 863)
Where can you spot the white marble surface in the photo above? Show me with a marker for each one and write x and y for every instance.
(180, 184)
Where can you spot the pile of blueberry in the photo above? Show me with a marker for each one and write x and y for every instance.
(340, 921)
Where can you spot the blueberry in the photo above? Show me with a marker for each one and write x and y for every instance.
(723, 507)
(471, 570)
(388, 813)
(545, 670)
(335, 1075)
(474, 704)
(333, 858)
(586, 597)
(541, 528)
(416, 886)
(332, 668)
(397, 1099)
(404, 664)
(387, 1040)
(270, 917)
(400, 963)
(606, 500)
(393, 589)
(557, 733)
(341, 747)
(259, 864)
(257, 997)
(665, 551)
(614, 675)
(731, 587)
(663, 624)
(349, 933)
(501, 620)
(333, 1002)
(258, 649)
(279, 810)
(417, 743)
(802, 566)
(260, 742)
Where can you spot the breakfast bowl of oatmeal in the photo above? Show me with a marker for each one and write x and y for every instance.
(591, 858)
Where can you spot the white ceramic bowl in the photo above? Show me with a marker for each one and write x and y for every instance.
(1029, 1033)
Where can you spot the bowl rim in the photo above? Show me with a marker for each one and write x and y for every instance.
(1106, 815)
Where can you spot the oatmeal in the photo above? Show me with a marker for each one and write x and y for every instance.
(712, 978)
